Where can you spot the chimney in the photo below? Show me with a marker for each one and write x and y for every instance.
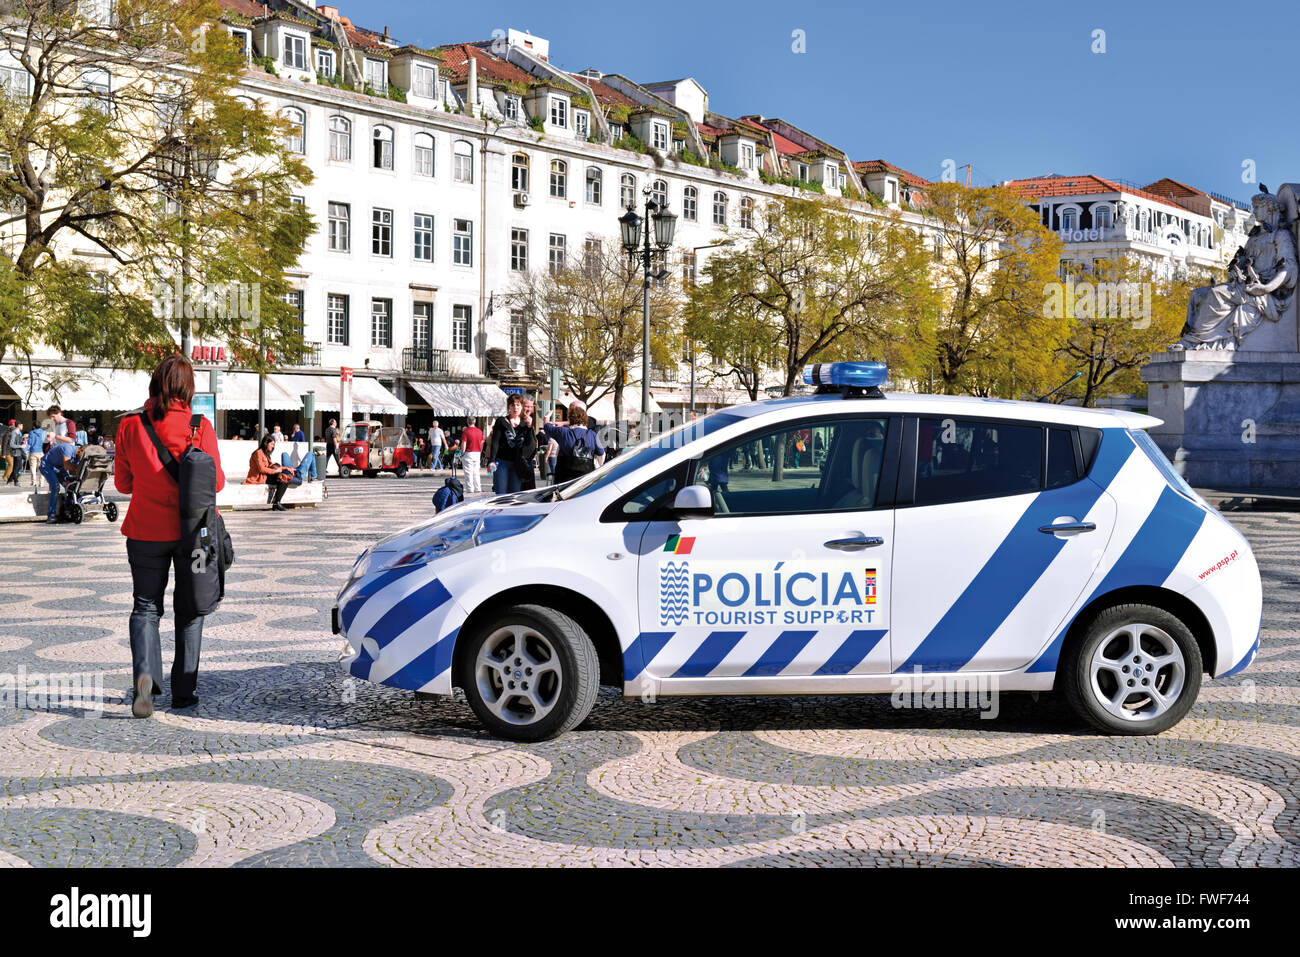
(386, 36)
(471, 86)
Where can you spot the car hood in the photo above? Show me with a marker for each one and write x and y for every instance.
(521, 503)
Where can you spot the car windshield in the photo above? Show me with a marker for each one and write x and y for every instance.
(644, 453)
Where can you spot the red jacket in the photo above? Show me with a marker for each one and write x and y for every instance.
(154, 515)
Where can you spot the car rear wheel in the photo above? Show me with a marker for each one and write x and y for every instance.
(345, 471)
(532, 673)
(401, 470)
(1137, 670)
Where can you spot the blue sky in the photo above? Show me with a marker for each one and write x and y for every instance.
(1189, 90)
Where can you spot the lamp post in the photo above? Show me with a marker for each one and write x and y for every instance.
(636, 238)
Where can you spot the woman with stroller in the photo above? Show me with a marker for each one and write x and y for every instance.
(153, 531)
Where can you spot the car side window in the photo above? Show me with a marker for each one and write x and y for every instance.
(959, 460)
(1062, 469)
(642, 500)
(818, 466)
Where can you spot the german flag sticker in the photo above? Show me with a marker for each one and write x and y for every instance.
(678, 545)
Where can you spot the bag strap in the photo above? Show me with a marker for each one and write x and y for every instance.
(168, 460)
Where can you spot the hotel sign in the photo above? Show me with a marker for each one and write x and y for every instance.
(1097, 234)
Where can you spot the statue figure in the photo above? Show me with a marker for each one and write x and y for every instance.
(1261, 278)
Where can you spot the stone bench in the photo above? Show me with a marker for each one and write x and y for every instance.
(237, 495)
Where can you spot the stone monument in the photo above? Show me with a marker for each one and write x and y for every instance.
(1229, 389)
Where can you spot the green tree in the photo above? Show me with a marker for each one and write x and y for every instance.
(804, 282)
(125, 137)
(994, 264)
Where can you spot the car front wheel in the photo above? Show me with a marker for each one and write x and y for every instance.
(532, 673)
(1137, 670)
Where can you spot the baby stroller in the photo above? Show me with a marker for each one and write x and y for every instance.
(83, 493)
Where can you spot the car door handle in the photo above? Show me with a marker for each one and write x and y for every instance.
(855, 544)
(1068, 527)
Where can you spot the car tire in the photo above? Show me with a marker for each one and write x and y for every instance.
(401, 470)
(1136, 669)
(345, 471)
(540, 692)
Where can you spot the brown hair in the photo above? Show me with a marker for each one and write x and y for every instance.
(513, 398)
(577, 416)
(172, 381)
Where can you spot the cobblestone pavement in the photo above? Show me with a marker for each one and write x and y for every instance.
(285, 761)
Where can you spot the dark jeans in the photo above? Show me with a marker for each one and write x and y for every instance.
(505, 478)
(150, 562)
(277, 489)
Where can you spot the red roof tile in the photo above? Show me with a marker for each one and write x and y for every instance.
(245, 8)
(1042, 187)
(1171, 187)
(455, 59)
(881, 166)
(603, 92)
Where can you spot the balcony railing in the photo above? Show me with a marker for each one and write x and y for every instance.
(424, 361)
(311, 354)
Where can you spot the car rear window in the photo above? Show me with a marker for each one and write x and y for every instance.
(1148, 445)
(960, 460)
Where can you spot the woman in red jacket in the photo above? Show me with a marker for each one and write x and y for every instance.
(153, 530)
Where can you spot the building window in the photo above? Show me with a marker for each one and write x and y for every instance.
(802, 171)
(381, 323)
(719, 208)
(591, 255)
(519, 250)
(462, 169)
(746, 156)
(627, 191)
(422, 248)
(594, 185)
(423, 165)
(295, 51)
(832, 175)
(659, 193)
(582, 123)
(381, 232)
(690, 204)
(340, 227)
(519, 172)
(421, 326)
(340, 139)
(891, 191)
(381, 154)
(244, 40)
(659, 135)
(462, 242)
(1102, 217)
(557, 252)
(559, 178)
(518, 332)
(938, 247)
(336, 320)
(294, 297)
(747, 213)
(425, 81)
(377, 76)
(297, 139)
(1067, 219)
(462, 320)
(559, 112)
(511, 107)
(688, 267)
(325, 62)
(97, 83)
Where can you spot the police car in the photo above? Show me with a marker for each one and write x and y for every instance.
(845, 541)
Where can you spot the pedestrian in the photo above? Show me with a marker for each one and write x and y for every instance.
(471, 441)
(332, 443)
(437, 439)
(153, 532)
(262, 470)
(298, 435)
(15, 449)
(61, 430)
(56, 467)
(5, 431)
(36, 451)
(528, 480)
(510, 448)
(579, 448)
(276, 433)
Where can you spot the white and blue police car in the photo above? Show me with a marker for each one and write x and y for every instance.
(824, 544)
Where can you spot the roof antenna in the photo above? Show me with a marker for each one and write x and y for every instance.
(1044, 398)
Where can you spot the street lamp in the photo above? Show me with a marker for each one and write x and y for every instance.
(636, 238)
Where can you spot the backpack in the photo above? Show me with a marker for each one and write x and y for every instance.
(581, 459)
(203, 531)
(451, 493)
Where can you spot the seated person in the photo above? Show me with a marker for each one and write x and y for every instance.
(305, 471)
(262, 471)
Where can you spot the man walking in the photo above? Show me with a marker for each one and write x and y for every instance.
(4, 450)
(436, 441)
(15, 451)
(332, 443)
(471, 441)
(35, 449)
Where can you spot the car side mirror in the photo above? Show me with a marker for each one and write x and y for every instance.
(693, 500)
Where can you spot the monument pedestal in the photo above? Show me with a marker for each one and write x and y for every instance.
(1231, 419)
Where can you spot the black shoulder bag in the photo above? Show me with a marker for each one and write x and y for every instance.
(203, 531)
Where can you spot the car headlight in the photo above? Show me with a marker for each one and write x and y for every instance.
(463, 534)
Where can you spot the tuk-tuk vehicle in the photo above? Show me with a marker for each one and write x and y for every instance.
(372, 447)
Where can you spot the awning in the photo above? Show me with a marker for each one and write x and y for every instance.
(370, 397)
(468, 399)
(78, 390)
(239, 392)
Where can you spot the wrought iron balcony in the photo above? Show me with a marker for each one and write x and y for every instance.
(429, 362)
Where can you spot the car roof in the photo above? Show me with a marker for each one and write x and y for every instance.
(961, 405)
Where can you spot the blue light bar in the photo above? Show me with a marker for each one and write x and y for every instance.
(846, 375)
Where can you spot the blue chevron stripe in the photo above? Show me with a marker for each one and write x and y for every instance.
(1149, 559)
(429, 664)
(852, 652)
(642, 651)
(710, 654)
(1015, 566)
(780, 653)
(408, 611)
(354, 604)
